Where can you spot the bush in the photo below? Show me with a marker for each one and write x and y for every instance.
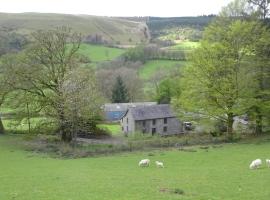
(178, 191)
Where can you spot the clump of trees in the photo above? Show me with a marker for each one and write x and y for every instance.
(10, 41)
(143, 53)
(229, 72)
(107, 77)
(49, 77)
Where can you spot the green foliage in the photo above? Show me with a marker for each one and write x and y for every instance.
(11, 42)
(166, 90)
(214, 85)
(120, 92)
(135, 54)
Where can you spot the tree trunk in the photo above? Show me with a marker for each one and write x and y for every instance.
(2, 129)
(64, 128)
(28, 118)
(230, 126)
(258, 128)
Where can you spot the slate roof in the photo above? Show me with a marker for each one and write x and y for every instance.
(124, 106)
(151, 112)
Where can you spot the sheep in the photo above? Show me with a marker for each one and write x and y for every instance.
(267, 162)
(144, 163)
(159, 164)
(255, 164)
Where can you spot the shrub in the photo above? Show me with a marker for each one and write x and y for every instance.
(178, 191)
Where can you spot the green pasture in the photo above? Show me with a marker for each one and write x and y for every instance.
(97, 53)
(216, 173)
(153, 66)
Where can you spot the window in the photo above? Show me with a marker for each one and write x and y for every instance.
(154, 122)
(153, 131)
(127, 128)
(143, 123)
(165, 129)
(165, 120)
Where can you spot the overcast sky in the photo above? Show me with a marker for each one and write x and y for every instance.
(163, 8)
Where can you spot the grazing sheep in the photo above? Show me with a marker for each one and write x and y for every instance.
(144, 163)
(267, 162)
(255, 164)
(159, 164)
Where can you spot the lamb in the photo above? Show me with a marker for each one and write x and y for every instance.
(159, 164)
(267, 162)
(144, 163)
(255, 164)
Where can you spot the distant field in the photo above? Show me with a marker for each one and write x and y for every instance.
(98, 53)
(216, 173)
(187, 45)
(150, 67)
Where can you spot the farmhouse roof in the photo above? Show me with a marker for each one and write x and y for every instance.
(151, 112)
(125, 106)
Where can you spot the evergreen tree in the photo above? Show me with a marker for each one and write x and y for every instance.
(119, 92)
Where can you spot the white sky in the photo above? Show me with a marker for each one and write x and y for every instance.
(163, 8)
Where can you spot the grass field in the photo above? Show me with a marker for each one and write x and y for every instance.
(150, 67)
(217, 174)
(186, 45)
(98, 53)
(115, 129)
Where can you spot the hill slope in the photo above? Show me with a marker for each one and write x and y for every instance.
(113, 30)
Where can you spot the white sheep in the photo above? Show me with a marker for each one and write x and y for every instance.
(144, 163)
(159, 164)
(267, 162)
(255, 164)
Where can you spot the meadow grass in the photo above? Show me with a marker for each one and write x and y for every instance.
(13, 125)
(185, 45)
(152, 66)
(115, 129)
(216, 173)
(97, 53)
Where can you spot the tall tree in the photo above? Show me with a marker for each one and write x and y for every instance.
(6, 64)
(46, 69)
(261, 7)
(214, 84)
(119, 92)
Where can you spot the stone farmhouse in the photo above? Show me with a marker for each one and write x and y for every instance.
(155, 119)
(115, 111)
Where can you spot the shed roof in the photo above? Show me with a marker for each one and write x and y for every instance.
(151, 112)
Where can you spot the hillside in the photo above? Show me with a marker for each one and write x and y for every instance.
(112, 30)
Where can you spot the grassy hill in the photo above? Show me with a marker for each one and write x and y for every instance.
(215, 173)
(114, 30)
